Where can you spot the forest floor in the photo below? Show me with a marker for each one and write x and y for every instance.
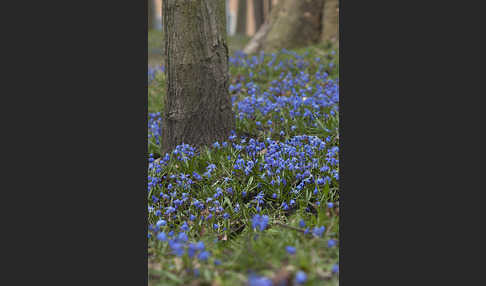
(261, 208)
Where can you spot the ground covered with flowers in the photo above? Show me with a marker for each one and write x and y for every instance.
(262, 207)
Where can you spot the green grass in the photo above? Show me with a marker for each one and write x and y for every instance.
(241, 249)
(155, 48)
(266, 255)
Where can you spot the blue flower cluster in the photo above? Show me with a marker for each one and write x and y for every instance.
(153, 71)
(278, 174)
(282, 156)
(179, 245)
(154, 128)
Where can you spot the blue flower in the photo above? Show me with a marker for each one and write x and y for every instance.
(335, 268)
(196, 176)
(259, 197)
(161, 223)
(318, 231)
(184, 227)
(191, 250)
(254, 280)
(290, 249)
(182, 237)
(302, 223)
(330, 205)
(203, 256)
(284, 206)
(162, 236)
(300, 277)
(331, 243)
(260, 222)
(200, 246)
(177, 248)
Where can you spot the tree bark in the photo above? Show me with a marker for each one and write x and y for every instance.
(197, 109)
(241, 17)
(258, 13)
(292, 24)
(330, 21)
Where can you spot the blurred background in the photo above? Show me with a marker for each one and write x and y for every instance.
(254, 13)
(251, 13)
(301, 23)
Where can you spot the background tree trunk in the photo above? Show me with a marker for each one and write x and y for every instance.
(241, 17)
(197, 108)
(258, 12)
(151, 15)
(256, 41)
(292, 24)
(330, 21)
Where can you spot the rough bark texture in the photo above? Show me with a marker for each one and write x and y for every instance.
(197, 108)
(292, 24)
(151, 14)
(330, 21)
(241, 17)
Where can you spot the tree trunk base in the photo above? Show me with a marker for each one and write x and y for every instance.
(197, 109)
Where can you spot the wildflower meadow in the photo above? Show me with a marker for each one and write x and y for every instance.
(262, 207)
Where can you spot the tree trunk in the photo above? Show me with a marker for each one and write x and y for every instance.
(197, 109)
(267, 7)
(292, 24)
(330, 21)
(258, 13)
(241, 17)
(151, 15)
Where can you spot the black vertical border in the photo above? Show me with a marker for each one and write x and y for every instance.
(81, 142)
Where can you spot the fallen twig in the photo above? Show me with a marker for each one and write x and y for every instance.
(289, 227)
